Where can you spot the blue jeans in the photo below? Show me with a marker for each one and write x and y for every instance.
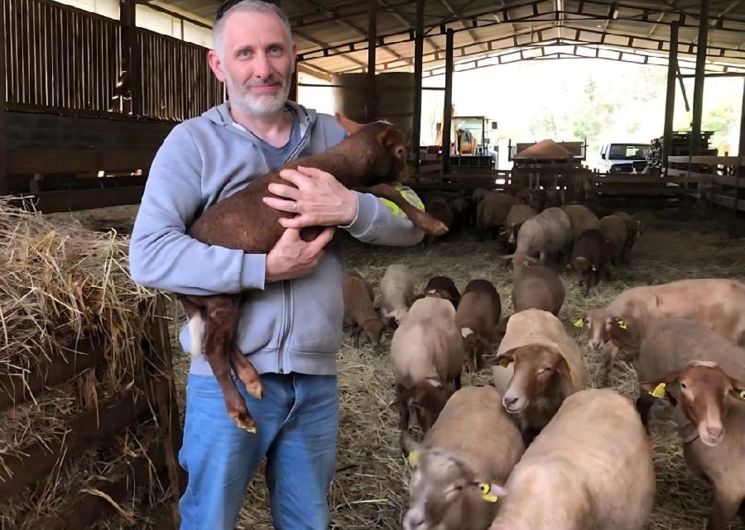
(297, 423)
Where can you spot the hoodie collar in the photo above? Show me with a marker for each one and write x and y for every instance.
(220, 114)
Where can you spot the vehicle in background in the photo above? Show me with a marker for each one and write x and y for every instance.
(624, 157)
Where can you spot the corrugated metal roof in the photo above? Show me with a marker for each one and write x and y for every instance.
(332, 34)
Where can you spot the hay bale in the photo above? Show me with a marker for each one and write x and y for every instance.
(63, 286)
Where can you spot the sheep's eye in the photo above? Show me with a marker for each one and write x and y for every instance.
(546, 369)
(683, 386)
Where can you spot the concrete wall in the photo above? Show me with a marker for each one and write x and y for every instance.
(47, 131)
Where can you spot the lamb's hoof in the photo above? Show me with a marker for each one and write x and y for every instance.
(435, 227)
(244, 421)
(255, 389)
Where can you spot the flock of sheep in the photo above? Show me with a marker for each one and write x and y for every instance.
(539, 448)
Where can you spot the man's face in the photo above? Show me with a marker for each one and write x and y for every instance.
(255, 62)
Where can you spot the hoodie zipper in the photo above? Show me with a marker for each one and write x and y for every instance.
(287, 323)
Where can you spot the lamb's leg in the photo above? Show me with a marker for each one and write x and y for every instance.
(643, 405)
(222, 319)
(403, 408)
(722, 512)
(420, 218)
(246, 372)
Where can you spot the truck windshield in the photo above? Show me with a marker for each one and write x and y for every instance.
(629, 151)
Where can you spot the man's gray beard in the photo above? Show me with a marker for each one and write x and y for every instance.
(263, 105)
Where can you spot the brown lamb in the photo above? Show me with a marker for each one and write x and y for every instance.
(370, 159)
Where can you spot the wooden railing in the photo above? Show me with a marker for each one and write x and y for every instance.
(63, 60)
(176, 81)
(723, 177)
(59, 57)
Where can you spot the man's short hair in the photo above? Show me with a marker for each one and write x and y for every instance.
(258, 6)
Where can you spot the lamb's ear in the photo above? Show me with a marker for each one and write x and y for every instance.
(562, 366)
(389, 138)
(411, 448)
(348, 125)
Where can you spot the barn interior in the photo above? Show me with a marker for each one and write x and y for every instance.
(91, 88)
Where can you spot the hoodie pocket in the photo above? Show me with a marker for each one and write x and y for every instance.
(318, 307)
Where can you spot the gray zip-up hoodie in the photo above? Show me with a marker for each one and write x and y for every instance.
(288, 326)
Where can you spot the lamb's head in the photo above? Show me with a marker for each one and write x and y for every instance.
(702, 390)
(536, 368)
(380, 146)
(444, 491)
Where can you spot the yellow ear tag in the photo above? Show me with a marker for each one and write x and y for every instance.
(579, 323)
(659, 391)
(622, 324)
(413, 458)
(486, 494)
(742, 394)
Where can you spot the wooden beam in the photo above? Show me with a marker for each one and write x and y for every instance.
(407, 24)
(130, 74)
(40, 457)
(456, 13)
(3, 101)
(698, 85)
(418, 69)
(86, 508)
(372, 33)
(344, 22)
(319, 43)
(740, 192)
(447, 115)
(73, 200)
(672, 64)
(15, 389)
(315, 71)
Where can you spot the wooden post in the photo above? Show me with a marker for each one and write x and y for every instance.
(293, 86)
(740, 181)
(672, 62)
(418, 70)
(162, 393)
(131, 90)
(447, 114)
(698, 86)
(372, 33)
(3, 102)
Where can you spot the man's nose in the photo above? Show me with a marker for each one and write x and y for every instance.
(261, 65)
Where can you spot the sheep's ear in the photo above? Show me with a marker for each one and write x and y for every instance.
(658, 387)
(563, 368)
(738, 388)
(411, 448)
(491, 491)
(503, 360)
(348, 125)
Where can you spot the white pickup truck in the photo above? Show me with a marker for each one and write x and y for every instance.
(624, 157)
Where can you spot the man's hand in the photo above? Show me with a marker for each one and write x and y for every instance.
(319, 199)
(292, 257)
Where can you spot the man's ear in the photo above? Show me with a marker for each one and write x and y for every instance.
(215, 65)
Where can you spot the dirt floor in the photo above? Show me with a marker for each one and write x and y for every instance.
(369, 490)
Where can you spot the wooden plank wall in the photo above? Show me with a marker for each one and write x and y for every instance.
(63, 60)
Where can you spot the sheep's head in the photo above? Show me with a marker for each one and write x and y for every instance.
(535, 368)
(373, 329)
(381, 148)
(476, 346)
(440, 485)
(427, 398)
(605, 332)
(702, 389)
